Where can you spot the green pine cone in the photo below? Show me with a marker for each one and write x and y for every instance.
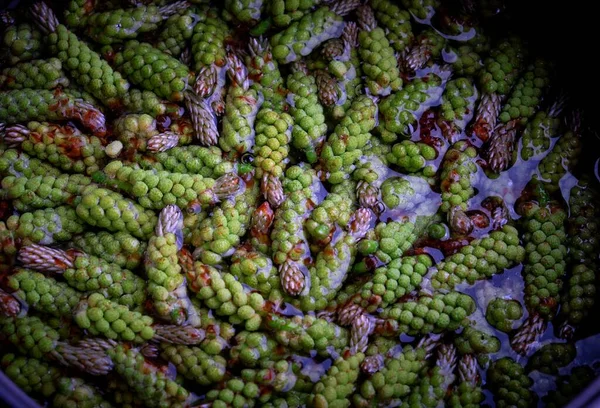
(46, 226)
(545, 256)
(502, 66)
(37, 74)
(119, 248)
(29, 335)
(271, 144)
(194, 364)
(503, 314)
(153, 70)
(473, 341)
(551, 357)
(306, 110)
(179, 28)
(103, 317)
(203, 161)
(19, 164)
(284, 12)
(44, 191)
(149, 382)
(457, 176)
(429, 314)
(339, 383)
(44, 294)
(527, 93)
(480, 259)
(537, 136)
(107, 209)
(308, 333)
(64, 147)
(207, 41)
(75, 392)
(397, 21)
(569, 386)
(157, 189)
(21, 42)
(510, 385)
(411, 157)
(393, 281)
(402, 109)
(88, 69)
(379, 62)
(301, 37)
(118, 25)
(30, 374)
(344, 146)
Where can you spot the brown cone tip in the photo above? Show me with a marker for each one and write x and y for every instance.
(467, 369)
(258, 46)
(228, 185)
(272, 190)
(9, 305)
(91, 361)
(526, 338)
(237, 71)
(203, 120)
(372, 364)
(15, 135)
(292, 278)
(173, 8)
(162, 142)
(44, 17)
(206, 81)
(366, 18)
(186, 335)
(45, 259)
(170, 221)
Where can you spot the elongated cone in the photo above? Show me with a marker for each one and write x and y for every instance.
(162, 142)
(362, 327)
(95, 362)
(46, 259)
(293, 280)
(526, 338)
(487, 114)
(367, 194)
(501, 146)
(203, 119)
(186, 335)
(459, 221)
(272, 189)
(9, 305)
(206, 81)
(372, 364)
